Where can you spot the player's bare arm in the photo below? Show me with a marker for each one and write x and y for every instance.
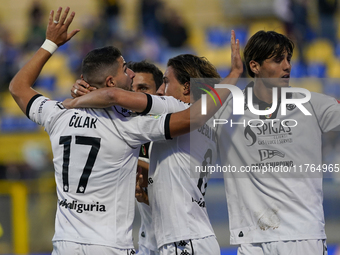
(180, 122)
(21, 85)
(106, 97)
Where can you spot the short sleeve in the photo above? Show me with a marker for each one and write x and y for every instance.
(144, 129)
(44, 111)
(165, 104)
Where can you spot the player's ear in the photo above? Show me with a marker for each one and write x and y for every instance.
(254, 66)
(186, 90)
(110, 81)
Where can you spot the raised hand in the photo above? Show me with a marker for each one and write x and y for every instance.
(57, 26)
(80, 88)
(236, 61)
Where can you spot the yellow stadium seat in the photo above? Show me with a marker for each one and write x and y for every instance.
(9, 106)
(320, 50)
(270, 25)
(311, 84)
(219, 57)
(333, 68)
(56, 65)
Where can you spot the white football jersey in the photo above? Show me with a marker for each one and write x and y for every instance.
(176, 192)
(285, 204)
(95, 159)
(146, 232)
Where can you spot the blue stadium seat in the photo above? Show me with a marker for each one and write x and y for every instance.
(317, 70)
(242, 35)
(218, 36)
(299, 70)
(223, 72)
(46, 82)
(10, 124)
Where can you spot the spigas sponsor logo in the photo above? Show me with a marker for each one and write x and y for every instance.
(273, 132)
(268, 154)
(80, 207)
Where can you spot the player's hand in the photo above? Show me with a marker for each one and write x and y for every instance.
(57, 26)
(236, 60)
(80, 88)
(140, 194)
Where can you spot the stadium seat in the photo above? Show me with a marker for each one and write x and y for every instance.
(320, 50)
(317, 70)
(9, 106)
(223, 72)
(242, 34)
(299, 70)
(333, 69)
(267, 25)
(219, 57)
(311, 84)
(196, 38)
(46, 82)
(17, 124)
(217, 36)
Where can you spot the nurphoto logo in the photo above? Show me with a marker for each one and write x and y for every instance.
(239, 100)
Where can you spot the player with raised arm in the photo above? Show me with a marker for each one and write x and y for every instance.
(92, 177)
(179, 217)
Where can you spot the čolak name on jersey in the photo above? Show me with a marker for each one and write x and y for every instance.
(77, 121)
(79, 207)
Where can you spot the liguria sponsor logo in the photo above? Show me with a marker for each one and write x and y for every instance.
(80, 207)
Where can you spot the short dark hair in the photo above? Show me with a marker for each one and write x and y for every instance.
(99, 63)
(263, 45)
(147, 67)
(188, 66)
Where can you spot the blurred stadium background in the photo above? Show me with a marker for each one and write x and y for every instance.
(154, 30)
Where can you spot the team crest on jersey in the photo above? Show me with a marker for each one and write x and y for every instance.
(290, 107)
(123, 111)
